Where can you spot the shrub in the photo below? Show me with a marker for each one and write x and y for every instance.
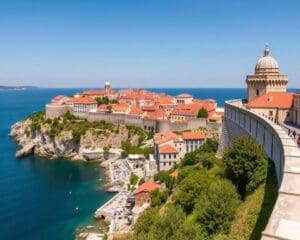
(202, 113)
(133, 179)
(216, 207)
(161, 176)
(158, 197)
(171, 225)
(142, 180)
(246, 164)
(190, 189)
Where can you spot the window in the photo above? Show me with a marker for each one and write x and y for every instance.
(174, 155)
(170, 155)
(257, 92)
(164, 164)
(270, 113)
(170, 163)
(164, 155)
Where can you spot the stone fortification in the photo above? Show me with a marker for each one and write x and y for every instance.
(53, 111)
(284, 222)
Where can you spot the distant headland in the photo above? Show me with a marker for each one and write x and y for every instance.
(2, 87)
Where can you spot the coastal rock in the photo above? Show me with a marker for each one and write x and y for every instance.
(27, 149)
(63, 145)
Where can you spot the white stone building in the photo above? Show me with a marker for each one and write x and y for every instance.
(85, 104)
(170, 148)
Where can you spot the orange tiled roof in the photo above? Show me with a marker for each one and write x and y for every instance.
(134, 110)
(167, 148)
(99, 92)
(85, 100)
(193, 135)
(164, 100)
(157, 114)
(120, 107)
(272, 100)
(186, 109)
(57, 99)
(148, 108)
(148, 186)
(94, 92)
(165, 136)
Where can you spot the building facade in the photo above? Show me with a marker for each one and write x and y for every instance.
(85, 104)
(170, 148)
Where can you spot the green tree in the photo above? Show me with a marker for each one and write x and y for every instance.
(133, 179)
(216, 207)
(171, 225)
(170, 183)
(141, 181)
(190, 189)
(158, 197)
(246, 164)
(161, 176)
(202, 113)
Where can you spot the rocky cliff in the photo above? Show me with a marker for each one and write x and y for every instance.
(68, 138)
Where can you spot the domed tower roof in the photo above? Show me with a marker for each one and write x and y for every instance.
(107, 83)
(266, 64)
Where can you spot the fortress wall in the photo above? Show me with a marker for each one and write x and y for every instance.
(150, 123)
(53, 111)
(134, 121)
(284, 222)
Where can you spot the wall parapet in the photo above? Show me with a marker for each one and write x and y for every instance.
(284, 222)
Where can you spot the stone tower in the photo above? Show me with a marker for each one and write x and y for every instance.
(266, 77)
(107, 86)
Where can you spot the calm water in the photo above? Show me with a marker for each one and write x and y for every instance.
(35, 199)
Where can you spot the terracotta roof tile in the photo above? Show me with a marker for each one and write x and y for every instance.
(272, 100)
(167, 148)
(84, 100)
(193, 135)
(148, 186)
(165, 136)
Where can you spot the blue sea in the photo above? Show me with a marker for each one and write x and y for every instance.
(39, 196)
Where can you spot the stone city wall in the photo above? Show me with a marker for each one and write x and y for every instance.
(53, 111)
(284, 222)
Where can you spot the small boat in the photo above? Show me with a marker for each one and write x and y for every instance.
(113, 190)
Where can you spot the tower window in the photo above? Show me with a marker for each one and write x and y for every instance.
(257, 92)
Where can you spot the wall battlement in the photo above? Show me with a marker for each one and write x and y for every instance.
(284, 222)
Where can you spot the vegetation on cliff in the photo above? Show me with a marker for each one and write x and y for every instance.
(205, 201)
(66, 135)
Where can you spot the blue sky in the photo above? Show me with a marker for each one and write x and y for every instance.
(154, 43)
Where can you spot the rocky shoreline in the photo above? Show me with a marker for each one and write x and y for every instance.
(91, 145)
